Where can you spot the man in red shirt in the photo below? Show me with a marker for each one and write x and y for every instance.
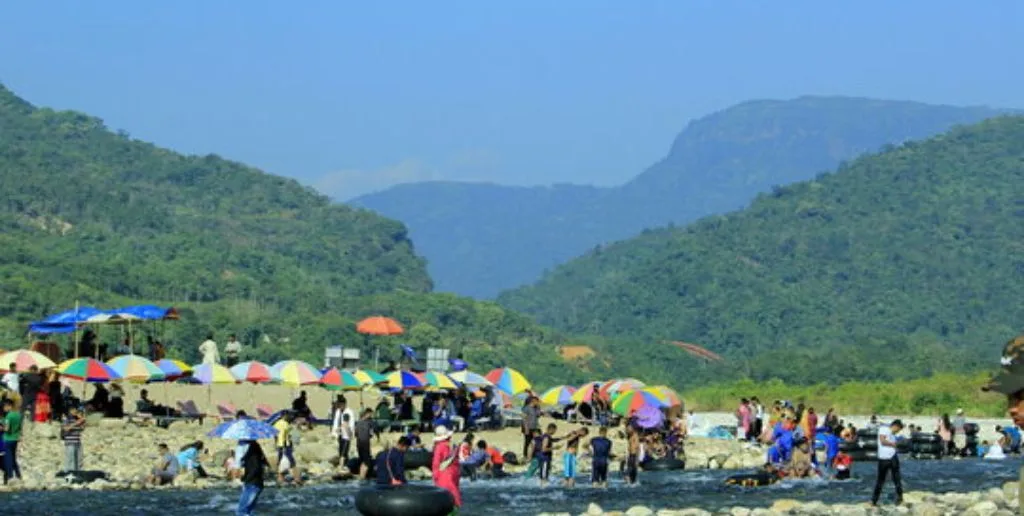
(495, 462)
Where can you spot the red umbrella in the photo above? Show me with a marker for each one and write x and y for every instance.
(379, 325)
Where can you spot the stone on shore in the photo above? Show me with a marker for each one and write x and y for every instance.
(639, 510)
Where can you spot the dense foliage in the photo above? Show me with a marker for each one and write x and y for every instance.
(480, 239)
(93, 216)
(900, 264)
(931, 396)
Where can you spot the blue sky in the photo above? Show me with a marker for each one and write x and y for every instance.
(354, 96)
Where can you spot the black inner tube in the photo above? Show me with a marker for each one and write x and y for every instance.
(663, 465)
(406, 500)
(761, 478)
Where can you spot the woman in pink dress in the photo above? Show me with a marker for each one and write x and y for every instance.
(445, 465)
(743, 420)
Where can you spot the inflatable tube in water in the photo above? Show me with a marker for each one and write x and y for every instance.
(904, 446)
(758, 479)
(418, 459)
(81, 476)
(510, 458)
(936, 448)
(848, 446)
(663, 465)
(926, 438)
(863, 455)
(971, 428)
(407, 500)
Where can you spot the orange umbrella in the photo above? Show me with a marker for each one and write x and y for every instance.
(379, 325)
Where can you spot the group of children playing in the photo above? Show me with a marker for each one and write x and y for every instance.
(543, 445)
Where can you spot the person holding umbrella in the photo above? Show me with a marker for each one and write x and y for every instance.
(249, 457)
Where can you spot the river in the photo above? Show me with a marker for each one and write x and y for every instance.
(697, 488)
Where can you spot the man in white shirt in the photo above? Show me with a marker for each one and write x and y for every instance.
(209, 351)
(888, 461)
(232, 350)
(11, 380)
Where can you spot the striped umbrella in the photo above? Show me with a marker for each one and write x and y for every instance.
(508, 380)
(366, 377)
(212, 373)
(435, 380)
(252, 371)
(586, 393)
(295, 373)
(87, 370)
(24, 359)
(244, 430)
(470, 379)
(628, 402)
(665, 394)
(404, 380)
(337, 380)
(136, 368)
(173, 368)
(558, 396)
(613, 387)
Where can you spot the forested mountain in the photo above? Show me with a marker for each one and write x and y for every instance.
(900, 263)
(93, 216)
(481, 239)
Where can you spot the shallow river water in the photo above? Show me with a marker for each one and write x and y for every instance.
(702, 489)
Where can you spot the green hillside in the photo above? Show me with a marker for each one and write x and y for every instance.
(900, 264)
(480, 239)
(93, 216)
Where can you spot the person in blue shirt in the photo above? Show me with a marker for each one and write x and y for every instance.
(188, 458)
(390, 464)
(831, 445)
(1014, 435)
(601, 452)
(782, 450)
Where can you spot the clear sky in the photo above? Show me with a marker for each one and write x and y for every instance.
(354, 96)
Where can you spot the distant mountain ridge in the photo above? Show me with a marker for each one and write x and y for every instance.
(480, 239)
(900, 263)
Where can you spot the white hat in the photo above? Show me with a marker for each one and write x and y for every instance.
(441, 433)
(959, 411)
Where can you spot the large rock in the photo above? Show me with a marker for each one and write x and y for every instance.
(739, 511)
(639, 510)
(985, 508)
(785, 505)
(593, 509)
(926, 509)
(1011, 491)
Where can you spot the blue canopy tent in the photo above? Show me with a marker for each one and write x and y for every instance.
(64, 322)
(147, 312)
(71, 320)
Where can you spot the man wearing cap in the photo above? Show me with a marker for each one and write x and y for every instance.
(888, 461)
(1010, 381)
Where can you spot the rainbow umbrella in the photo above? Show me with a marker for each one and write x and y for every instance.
(136, 368)
(508, 380)
(665, 394)
(470, 379)
(434, 380)
(173, 368)
(213, 373)
(23, 359)
(613, 387)
(404, 380)
(338, 380)
(295, 373)
(628, 402)
(87, 370)
(366, 377)
(252, 371)
(586, 393)
(558, 396)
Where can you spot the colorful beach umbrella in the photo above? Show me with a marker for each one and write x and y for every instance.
(337, 380)
(87, 370)
(404, 380)
(173, 368)
(367, 377)
(508, 380)
(212, 373)
(136, 368)
(613, 387)
(435, 380)
(558, 396)
(586, 393)
(665, 394)
(252, 371)
(244, 429)
(470, 379)
(629, 402)
(24, 359)
(295, 373)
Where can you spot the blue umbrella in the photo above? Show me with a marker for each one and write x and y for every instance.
(244, 430)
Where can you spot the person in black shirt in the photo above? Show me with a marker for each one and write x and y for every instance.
(300, 407)
(254, 465)
(390, 464)
(601, 451)
(31, 384)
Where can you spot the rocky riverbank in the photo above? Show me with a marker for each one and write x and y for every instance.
(126, 451)
(993, 502)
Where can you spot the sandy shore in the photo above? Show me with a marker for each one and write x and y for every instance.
(127, 451)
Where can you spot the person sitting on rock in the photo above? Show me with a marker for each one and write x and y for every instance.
(166, 467)
(301, 410)
(842, 465)
(800, 462)
(188, 459)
